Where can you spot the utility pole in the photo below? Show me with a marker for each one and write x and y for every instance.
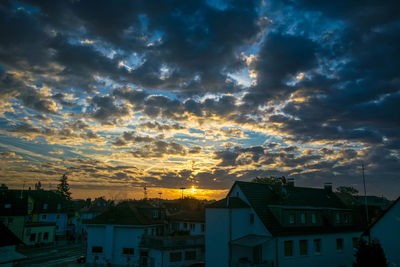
(182, 188)
(365, 194)
(159, 199)
(145, 191)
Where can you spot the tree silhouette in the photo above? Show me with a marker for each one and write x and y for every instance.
(370, 255)
(63, 187)
(347, 190)
(269, 180)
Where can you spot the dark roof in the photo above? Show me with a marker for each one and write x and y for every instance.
(52, 199)
(188, 216)
(381, 216)
(260, 196)
(11, 203)
(123, 214)
(234, 203)
(8, 238)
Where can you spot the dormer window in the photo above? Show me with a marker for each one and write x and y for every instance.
(291, 218)
(346, 218)
(58, 206)
(7, 206)
(313, 218)
(337, 218)
(303, 218)
(155, 214)
(45, 206)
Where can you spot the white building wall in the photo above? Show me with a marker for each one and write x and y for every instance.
(113, 238)
(329, 256)
(196, 230)
(217, 237)
(387, 231)
(60, 219)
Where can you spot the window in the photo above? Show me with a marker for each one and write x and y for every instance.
(339, 244)
(58, 206)
(251, 218)
(303, 244)
(313, 218)
(128, 251)
(175, 256)
(346, 218)
(337, 218)
(97, 249)
(32, 238)
(355, 241)
(288, 247)
(192, 225)
(29, 206)
(203, 227)
(291, 218)
(317, 246)
(303, 218)
(155, 214)
(7, 206)
(185, 225)
(46, 236)
(45, 206)
(190, 255)
(44, 216)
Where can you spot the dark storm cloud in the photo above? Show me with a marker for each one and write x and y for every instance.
(281, 57)
(106, 111)
(159, 149)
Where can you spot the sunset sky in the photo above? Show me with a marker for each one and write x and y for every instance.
(199, 94)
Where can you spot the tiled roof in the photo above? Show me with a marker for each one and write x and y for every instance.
(8, 238)
(262, 195)
(188, 216)
(11, 203)
(123, 214)
(234, 203)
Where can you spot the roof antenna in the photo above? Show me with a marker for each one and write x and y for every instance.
(365, 194)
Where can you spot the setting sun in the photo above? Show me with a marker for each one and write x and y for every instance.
(193, 189)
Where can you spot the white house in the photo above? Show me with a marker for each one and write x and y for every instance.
(387, 231)
(280, 225)
(115, 235)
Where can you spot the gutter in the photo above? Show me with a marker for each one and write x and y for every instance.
(276, 252)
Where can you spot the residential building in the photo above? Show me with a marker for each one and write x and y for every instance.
(192, 222)
(280, 225)
(114, 236)
(8, 242)
(386, 230)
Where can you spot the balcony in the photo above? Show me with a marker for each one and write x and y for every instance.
(171, 242)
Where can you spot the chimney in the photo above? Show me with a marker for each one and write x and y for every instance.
(328, 187)
(290, 182)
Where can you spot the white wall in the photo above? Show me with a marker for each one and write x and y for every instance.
(217, 237)
(387, 231)
(61, 221)
(329, 256)
(113, 239)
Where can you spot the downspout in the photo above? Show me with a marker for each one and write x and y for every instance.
(230, 232)
(276, 252)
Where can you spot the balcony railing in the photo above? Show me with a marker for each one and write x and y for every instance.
(168, 242)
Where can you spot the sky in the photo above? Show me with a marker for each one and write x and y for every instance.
(198, 94)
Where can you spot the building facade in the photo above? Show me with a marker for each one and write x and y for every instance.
(280, 225)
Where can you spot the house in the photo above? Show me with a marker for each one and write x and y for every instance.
(386, 229)
(192, 222)
(8, 243)
(19, 213)
(280, 225)
(50, 207)
(114, 236)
